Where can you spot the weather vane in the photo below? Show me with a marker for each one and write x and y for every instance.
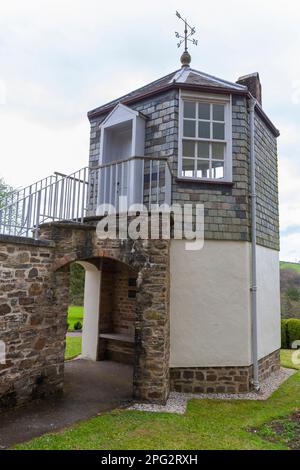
(188, 32)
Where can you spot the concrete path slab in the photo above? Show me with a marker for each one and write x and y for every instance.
(90, 388)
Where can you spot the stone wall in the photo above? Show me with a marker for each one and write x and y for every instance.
(34, 304)
(124, 306)
(119, 351)
(221, 379)
(33, 320)
(117, 312)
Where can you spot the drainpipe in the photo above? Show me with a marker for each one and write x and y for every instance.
(255, 379)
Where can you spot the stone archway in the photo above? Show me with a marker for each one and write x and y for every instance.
(150, 259)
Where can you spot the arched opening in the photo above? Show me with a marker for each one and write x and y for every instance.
(108, 332)
(130, 327)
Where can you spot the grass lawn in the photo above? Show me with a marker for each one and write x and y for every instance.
(207, 424)
(288, 265)
(286, 358)
(74, 314)
(73, 346)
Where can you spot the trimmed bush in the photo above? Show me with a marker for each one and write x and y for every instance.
(284, 338)
(293, 331)
(78, 326)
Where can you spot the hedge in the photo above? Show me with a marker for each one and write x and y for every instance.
(290, 332)
(284, 339)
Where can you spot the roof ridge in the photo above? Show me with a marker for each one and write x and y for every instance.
(219, 80)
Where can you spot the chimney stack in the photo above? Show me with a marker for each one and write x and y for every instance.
(252, 82)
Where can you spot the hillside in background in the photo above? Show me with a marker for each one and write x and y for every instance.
(288, 265)
(290, 289)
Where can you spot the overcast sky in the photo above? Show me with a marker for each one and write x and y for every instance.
(58, 59)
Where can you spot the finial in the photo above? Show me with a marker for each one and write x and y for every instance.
(185, 59)
(188, 31)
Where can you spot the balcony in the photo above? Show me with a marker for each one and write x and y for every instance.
(139, 180)
(85, 193)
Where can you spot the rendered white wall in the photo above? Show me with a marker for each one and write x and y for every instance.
(90, 332)
(268, 301)
(210, 305)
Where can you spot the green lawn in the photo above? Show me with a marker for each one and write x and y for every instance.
(206, 425)
(288, 265)
(286, 359)
(75, 314)
(73, 346)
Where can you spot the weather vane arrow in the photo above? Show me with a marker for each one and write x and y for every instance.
(185, 39)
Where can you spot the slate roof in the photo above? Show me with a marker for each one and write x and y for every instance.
(185, 78)
(185, 75)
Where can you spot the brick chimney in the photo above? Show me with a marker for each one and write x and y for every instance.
(252, 81)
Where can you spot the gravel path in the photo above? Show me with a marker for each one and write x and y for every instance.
(177, 402)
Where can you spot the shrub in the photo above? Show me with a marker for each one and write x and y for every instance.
(284, 338)
(78, 325)
(293, 331)
(293, 294)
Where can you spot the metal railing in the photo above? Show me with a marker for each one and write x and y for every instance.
(143, 180)
(57, 197)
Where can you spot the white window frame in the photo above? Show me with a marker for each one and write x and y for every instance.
(226, 100)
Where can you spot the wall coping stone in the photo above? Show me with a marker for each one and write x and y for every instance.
(26, 241)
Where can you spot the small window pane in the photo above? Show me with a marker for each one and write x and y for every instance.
(131, 294)
(202, 169)
(218, 151)
(218, 112)
(188, 148)
(204, 130)
(217, 170)
(203, 149)
(188, 166)
(132, 282)
(204, 111)
(189, 110)
(218, 131)
(189, 128)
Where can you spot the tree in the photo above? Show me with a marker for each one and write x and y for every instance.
(77, 275)
(293, 294)
(5, 189)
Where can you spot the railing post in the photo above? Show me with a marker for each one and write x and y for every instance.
(37, 215)
(83, 196)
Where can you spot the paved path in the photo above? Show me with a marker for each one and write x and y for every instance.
(90, 388)
(74, 333)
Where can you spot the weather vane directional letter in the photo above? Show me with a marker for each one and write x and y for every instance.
(188, 32)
